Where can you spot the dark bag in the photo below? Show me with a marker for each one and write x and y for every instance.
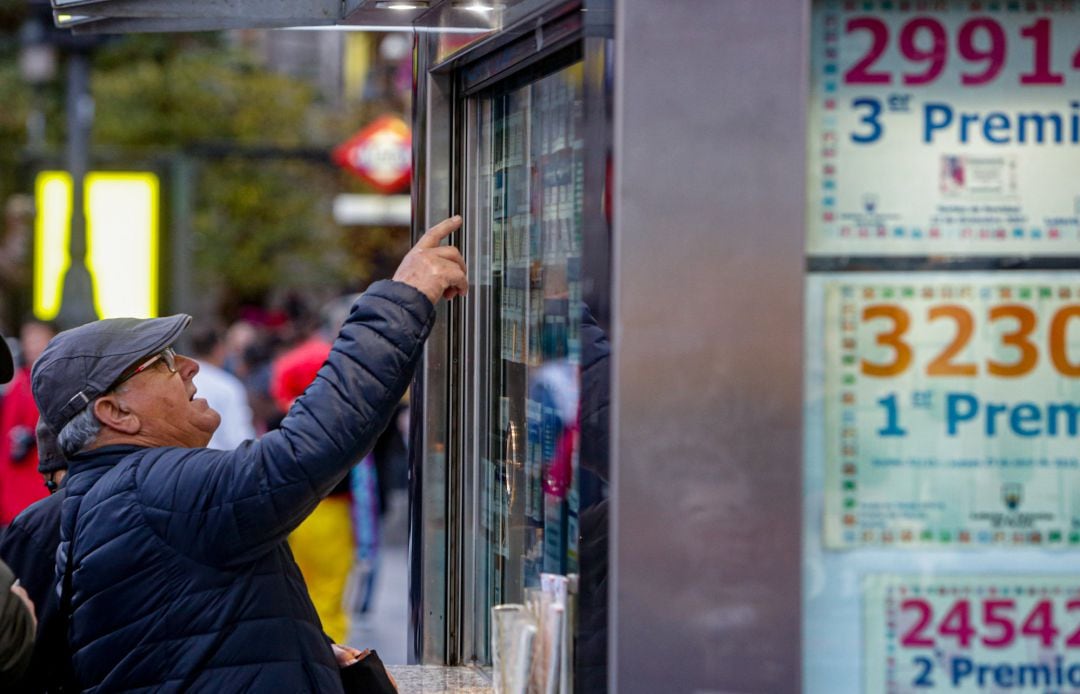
(367, 676)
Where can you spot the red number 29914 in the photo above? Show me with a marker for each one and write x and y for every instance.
(980, 42)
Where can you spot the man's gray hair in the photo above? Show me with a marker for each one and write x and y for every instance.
(79, 433)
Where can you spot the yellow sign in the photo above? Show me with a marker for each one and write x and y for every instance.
(122, 242)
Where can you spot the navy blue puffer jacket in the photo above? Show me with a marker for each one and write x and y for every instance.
(182, 578)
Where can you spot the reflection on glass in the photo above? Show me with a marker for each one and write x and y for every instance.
(464, 23)
(524, 215)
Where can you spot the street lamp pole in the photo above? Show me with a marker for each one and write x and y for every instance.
(78, 289)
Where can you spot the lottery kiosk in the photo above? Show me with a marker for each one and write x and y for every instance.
(773, 343)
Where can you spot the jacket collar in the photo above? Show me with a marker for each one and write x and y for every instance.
(104, 457)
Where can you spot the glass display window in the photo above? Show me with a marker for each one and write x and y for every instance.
(524, 211)
(510, 489)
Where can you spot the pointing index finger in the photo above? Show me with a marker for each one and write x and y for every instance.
(434, 236)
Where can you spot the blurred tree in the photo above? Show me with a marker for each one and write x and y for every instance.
(191, 88)
(262, 226)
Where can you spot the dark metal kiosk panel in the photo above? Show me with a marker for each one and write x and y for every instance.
(709, 121)
(703, 304)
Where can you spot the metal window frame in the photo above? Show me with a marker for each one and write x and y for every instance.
(443, 456)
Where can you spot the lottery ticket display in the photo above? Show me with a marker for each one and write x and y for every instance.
(972, 634)
(943, 127)
(953, 411)
(940, 445)
(942, 456)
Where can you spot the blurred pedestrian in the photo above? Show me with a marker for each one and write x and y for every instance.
(257, 361)
(20, 484)
(391, 456)
(223, 391)
(238, 337)
(365, 517)
(173, 560)
(29, 548)
(17, 622)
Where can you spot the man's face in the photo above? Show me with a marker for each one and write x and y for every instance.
(165, 403)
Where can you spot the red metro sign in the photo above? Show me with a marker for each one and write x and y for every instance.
(380, 154)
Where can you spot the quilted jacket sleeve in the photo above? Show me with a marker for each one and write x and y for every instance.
(227, 507)
(30, 559)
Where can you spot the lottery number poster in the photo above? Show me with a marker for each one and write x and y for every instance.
(940, 127)
(952, 411)
(972, 634)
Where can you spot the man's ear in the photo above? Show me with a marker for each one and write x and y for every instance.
(113, 415)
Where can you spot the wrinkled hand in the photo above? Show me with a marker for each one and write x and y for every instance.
(437, 271)
(347, 655)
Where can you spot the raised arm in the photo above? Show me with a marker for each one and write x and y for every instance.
(225, 507)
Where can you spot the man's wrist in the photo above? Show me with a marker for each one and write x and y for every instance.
(406, 296)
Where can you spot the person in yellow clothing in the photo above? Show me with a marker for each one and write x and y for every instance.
(323, 548)
(323, 545)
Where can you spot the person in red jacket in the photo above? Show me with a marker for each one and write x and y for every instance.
(17, 617)
(20, 481)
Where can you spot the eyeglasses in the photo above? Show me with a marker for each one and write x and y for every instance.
(167, 355)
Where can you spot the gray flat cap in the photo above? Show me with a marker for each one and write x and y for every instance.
(83, 363)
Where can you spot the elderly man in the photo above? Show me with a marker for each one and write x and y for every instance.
(176, 573)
